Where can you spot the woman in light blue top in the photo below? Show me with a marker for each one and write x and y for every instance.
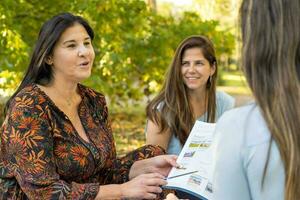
(243, 140)
(224, 102)
(257, 147)
(188, 94)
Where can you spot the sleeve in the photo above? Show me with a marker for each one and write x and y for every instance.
(117, 169)
(118, 172)
(122, 165)
(29, 151)
(225, 102)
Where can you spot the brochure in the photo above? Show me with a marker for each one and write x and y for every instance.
(193, 178)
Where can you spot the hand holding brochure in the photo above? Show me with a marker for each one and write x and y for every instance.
(193, 176)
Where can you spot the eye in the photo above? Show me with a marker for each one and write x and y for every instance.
(199, 63)
(71, 46)
(87, 43)
(185, 64)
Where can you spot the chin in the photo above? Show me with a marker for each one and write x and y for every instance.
(195, 88)
(83, 77)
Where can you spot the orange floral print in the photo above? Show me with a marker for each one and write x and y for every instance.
(68, 128)
(41, 149)
(29, 124)
(79, 154)
(16, 115)
(61, 151)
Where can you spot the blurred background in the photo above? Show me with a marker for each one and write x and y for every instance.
(134, 44)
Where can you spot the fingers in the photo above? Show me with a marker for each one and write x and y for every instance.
(149, 196)
(154, 189)
(153, 179)
(153, 175)
(151, 184)
(171, 159)
(167, 159)
(171, 196)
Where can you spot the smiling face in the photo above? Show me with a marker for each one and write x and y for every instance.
(73, 55)
(195, 69)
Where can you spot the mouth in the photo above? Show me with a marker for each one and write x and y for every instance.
(192, 78)
(84, 64)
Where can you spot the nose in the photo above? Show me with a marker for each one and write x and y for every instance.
(192, 67)
(82, 50)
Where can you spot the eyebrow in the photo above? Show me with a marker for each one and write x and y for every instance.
(201, 60)
(69, 41)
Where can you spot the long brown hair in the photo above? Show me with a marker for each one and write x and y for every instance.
(171, 109)
(271, 62)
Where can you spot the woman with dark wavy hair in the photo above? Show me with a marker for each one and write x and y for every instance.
(56, 140)
(257, 153)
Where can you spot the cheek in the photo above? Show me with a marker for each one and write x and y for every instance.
(61, 62)
(63, 57)
(92, 53)
(204, 70)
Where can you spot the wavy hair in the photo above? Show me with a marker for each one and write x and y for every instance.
(271, 63)
(171, 109)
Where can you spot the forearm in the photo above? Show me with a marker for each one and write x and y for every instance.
(155, 137)
(139, 167)
(135, 162)
(107, 192)
(160, 164)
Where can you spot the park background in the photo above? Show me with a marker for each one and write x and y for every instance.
(134, 44)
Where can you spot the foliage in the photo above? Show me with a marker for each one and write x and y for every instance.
(1, 113)
(133, 45)
(128, 136)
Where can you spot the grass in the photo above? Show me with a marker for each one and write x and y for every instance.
(234, 83)
(128, 125)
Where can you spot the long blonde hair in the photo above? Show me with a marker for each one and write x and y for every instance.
(271, 62)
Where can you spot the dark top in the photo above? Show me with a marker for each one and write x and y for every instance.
(43, 157)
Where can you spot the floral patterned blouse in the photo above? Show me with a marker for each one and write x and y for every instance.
(43, 157)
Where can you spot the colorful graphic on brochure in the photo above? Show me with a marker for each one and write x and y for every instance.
(194, 175)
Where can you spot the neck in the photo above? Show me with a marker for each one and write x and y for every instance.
(197, 95)
(198, 102)
(66, 92)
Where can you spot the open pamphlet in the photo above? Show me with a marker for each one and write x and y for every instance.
(193, 178)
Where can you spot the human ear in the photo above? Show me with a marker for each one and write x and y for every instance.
(212, 69)
(49, 60)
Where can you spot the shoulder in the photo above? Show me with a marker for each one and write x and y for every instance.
(90, 92)
(224, 102)
(30, 97)
(94, 97)
(224, 98)
(244, 122)
(30, 90)
(236, 115)
(95, 100)
(28, 106)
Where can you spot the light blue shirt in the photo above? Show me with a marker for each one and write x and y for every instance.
(224, 102)
(240, 148)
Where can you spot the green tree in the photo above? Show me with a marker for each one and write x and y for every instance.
(133, 44)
